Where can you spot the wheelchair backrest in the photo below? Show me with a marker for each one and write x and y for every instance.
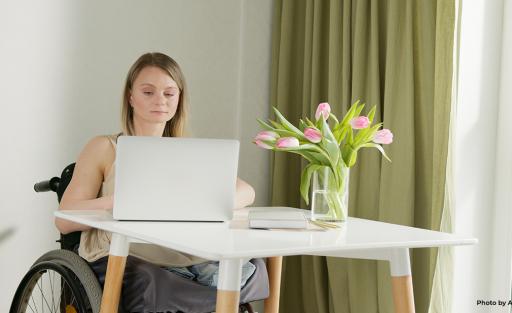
(71, 240)
(65, 178)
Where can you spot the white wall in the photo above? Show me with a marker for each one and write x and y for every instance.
(255, 93)
(63, 64)
(502, 230)
(483, 174)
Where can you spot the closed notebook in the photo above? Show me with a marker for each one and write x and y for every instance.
(277, 218)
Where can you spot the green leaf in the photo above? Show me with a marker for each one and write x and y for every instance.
(346, 153)
(313, 148)
(371, 114)
(311, 156)
(310, 124)
(350, 114)
(362, 134)
(379, 147)
(337, 128)
(319, 158)
(307, 146)
(332, 150)
(303, 125)
(359, 135)
(326, 131)
(366, 135)
(359, 109)
(304, 154)
(318, 123)
(305, 180)
(329, 143)
(350, 138)
(352, 158)
(265, 125)
(334, 118)
(340, 134)
(342, 162)
(276, 125)
(285, 133)
(287, 125)
(371, 133)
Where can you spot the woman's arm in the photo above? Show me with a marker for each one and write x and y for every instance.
(82, 191)
(244, 194)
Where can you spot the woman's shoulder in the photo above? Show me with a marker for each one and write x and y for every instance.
(100, 148)
(100, 142)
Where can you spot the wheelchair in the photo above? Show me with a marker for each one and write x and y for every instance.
(61, 281)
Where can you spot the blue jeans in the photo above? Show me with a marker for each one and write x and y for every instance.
(207, 273)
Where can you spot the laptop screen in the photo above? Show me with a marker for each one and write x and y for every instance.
(181, 179)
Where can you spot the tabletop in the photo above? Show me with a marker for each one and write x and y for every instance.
(216, 241)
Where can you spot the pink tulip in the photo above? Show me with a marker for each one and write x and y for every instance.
(359, 122)
(261, 144)
(383, 136)
(313, 134)
(267, 135)
(287, 142)
(323, 109)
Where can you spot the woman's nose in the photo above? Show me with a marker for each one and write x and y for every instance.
(161, 100)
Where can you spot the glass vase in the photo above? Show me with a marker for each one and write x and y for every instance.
(329, 194)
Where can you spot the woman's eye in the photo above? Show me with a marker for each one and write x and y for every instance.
(148, 93)
(169, 94)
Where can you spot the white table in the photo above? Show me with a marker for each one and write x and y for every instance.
(358, 238)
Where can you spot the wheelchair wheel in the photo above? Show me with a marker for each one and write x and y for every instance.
(59, 281)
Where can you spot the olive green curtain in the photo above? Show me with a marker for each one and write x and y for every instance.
(397, 55)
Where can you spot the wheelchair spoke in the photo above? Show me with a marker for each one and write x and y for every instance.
(31, 308)
(68, 293)
(43, 298)
(73, 300)
(53, 294)
(42, 307)
(40, 286)
(59, 303)
(63, 297)
(35, 305)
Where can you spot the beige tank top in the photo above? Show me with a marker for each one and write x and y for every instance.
(95, 243)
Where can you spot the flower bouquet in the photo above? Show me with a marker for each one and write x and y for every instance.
(329, 152)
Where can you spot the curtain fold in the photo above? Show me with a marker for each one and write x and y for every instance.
(394, 54)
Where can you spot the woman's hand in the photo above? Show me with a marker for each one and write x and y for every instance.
(108, 202)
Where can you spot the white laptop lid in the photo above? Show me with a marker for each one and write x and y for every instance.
(175, 179)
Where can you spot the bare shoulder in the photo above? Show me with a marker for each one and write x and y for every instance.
(96, 156)
(99, 144)
(98, 151)
(89, 170)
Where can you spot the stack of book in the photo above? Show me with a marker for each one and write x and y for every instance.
(279, 217)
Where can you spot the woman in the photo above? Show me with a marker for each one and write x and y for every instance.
(154, 104)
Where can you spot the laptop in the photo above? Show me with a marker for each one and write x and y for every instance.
(175, 179)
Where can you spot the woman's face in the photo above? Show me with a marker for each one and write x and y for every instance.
(154, 96)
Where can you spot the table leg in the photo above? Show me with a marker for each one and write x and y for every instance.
(400, 266)
(228, 287)
(119, 247)
(401, 280)
(274, 265)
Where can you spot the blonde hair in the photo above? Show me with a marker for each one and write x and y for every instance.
(175, 127)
